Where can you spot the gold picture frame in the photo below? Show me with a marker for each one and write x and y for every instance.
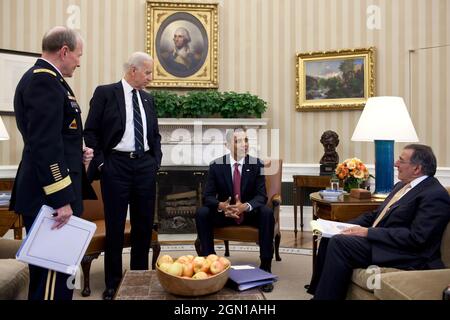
(335, 80)
(183, 39)
(13, 65)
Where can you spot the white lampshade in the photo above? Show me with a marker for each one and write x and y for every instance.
(3, 133)
(385, 118)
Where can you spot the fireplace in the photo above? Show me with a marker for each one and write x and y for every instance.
(188, 146)
(178, 195)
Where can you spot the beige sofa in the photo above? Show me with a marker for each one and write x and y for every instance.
(14, 277)
(398, 284)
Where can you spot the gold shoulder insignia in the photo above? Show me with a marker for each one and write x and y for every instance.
(45, 70)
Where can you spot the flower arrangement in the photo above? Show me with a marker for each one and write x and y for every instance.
(353, 172)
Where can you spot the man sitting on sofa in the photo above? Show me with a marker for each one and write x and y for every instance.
(405, 232)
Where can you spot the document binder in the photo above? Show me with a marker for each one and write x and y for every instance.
(247, 277)
(58, 249)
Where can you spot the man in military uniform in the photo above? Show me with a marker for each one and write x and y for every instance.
(51, 171)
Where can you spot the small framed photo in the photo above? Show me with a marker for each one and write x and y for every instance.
(335, 80)
(182, 38)
(13, 64)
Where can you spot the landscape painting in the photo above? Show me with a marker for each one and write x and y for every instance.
(335, 80)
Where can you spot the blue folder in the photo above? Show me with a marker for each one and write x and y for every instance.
(244, 279)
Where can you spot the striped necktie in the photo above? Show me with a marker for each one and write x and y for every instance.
(138, 128)
(393, 200)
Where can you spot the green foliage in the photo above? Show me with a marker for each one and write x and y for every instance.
(167, 104)
(208, 104)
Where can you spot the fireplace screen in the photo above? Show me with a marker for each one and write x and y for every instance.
(179, 194)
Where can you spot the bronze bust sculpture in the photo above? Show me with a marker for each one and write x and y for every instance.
(330, 158)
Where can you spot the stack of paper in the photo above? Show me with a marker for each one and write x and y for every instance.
(4, 198)
(243, 277)
(328, 228)
(58, 249)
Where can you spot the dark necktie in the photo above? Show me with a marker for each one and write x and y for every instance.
(237, 188)
(138, 128)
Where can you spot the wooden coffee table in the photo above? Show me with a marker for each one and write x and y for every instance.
(144, 285)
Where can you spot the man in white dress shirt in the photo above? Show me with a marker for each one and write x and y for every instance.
(122, 128)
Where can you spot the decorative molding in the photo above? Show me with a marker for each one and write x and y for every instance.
(214, 122)
(8, 172)
(291, 169)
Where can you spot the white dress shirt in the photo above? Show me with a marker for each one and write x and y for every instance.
(127, 142)
(414, 183)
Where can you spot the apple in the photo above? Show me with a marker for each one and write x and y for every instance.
(198, 263)
(212, 257)
(183, 259)
(164, 266)
(206, 265)
(226, 263)
(175, 269)
(188, 269)
(165, 258)
(200, 276)
(216, 267)
(190, 257)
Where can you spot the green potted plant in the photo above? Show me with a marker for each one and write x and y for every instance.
(242, 105)
(208, 104)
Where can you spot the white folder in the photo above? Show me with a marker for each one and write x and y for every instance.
(58, 249)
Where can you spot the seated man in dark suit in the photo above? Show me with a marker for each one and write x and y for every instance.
(405, 232)
(235, 193)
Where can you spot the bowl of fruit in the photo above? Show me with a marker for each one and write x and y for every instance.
(192, 276)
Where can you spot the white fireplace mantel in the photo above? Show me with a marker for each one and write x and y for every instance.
(215, 122)
(197, 141)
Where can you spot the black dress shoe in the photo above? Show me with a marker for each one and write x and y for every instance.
(108, 294)
(267, 287)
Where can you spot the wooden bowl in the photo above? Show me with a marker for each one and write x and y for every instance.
(192, 287)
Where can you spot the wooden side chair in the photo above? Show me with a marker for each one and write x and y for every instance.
(245, 233)
(93, 211)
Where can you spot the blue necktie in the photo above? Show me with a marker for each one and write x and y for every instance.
(138, 128)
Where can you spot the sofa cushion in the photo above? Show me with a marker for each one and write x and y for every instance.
(413, 285)
(8, 248)
(361, 276)
(13, 279)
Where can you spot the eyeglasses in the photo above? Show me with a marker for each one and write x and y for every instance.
(403, 161)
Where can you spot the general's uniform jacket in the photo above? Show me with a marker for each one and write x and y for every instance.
(49, 118)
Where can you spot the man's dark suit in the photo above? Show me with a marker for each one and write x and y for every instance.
(408, 237)
(219, 187)
(123, 180)
(51, 171)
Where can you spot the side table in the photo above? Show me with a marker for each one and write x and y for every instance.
(301, 182)
(343, 209)
(10, 220)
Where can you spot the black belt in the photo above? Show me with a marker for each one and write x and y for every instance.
(131, 155)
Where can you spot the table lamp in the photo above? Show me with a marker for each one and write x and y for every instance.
(3, 133)
(384, 120)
